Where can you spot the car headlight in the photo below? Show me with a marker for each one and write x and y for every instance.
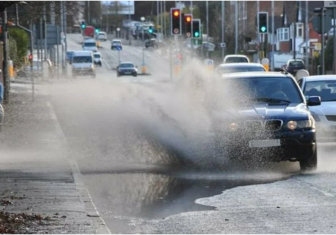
(233, 126)
(310, 123)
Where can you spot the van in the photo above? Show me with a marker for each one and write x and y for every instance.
(90, 45)
(83, 64)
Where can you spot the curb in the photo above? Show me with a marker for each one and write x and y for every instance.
(90, 208)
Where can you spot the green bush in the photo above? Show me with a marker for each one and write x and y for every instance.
(22, 41)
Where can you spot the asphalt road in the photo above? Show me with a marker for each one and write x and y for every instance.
(127, 135)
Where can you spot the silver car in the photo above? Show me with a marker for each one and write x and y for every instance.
(325, 114)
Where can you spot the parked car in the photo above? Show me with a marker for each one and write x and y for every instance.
(116, 43)
(325, 114)
(69, 55)
(82, 64)
(236, 59)
(127, 68)
(293, 66)
(239, 67)
(269, 121)
(97, 58)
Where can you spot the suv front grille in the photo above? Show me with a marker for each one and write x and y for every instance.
(260, 125)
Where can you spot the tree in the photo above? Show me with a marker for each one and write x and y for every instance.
(21, 39)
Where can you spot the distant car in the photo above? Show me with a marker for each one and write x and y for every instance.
(325, 114)
(127, 68)
(269, 121)
(236, 59)
(102, 36)
(151, 43)
(293, 66)
(116, 44)
(97, 58)
(69, 56)
(239, 67)
(90, 45)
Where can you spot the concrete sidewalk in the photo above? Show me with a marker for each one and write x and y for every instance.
(40, 187)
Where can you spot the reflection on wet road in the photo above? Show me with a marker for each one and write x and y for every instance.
(155, 193)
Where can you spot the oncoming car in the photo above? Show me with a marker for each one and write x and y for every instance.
(97, 58)
(82, 64)
(239, 67)
(127, 68)
(269, 120)
(236, 59)
(116, 44)
(325, 114)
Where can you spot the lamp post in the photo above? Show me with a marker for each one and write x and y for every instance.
(143, 69)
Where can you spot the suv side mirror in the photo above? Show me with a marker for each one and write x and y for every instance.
(314, 101)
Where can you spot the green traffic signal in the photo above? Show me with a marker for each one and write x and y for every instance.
(150, 30)
(83, 25)
(263, 29)
(97, 30)
(196, 34)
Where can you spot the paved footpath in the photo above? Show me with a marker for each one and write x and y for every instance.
(41, 190)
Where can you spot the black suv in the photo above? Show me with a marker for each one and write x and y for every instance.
(293, 66)
(265, 117)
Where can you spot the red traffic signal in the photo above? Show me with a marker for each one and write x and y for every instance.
(175, 21)
(30, 57)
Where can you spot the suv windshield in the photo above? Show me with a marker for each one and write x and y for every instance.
(325, 89)
(96, 56)
(82, 59)
(269, 90)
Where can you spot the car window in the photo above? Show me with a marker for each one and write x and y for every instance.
(325, 89)
(236, 60)
(296, 64)
(261, 89)
(96, 56)
(82, 59)
(223, 70)
(89, 44)
(126, 65)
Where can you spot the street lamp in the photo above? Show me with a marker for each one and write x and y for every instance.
(143, 48)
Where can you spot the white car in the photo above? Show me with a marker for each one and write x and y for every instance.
(97, 58)
(83, 64)
(90, 45)
(325, 114)
(236, 59)
(102, 36)
(239, 68)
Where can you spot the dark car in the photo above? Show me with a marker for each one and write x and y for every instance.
(151, 43)
(127, 68)
(269, 120)
(293, 66)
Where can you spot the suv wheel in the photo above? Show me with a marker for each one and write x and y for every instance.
(309, 163)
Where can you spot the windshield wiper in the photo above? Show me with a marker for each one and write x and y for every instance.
(272, 100)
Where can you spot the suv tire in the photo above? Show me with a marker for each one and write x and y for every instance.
(309, 163)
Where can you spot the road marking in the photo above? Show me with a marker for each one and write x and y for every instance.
(107, 64)
(77, 174)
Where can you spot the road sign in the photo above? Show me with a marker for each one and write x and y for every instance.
(223, 44)
(317, 23)
(330, 4)
(118, 48)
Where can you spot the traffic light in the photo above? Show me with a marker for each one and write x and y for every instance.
(83, 25)
(263, 22)
(150, 30)
(187, 19)
(30, 57)
(97, 30)
(175, 21)
(196, 28)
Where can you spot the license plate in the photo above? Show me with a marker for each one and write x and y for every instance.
(264, 143)
(128, 72)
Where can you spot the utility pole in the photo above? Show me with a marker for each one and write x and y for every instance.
(5, 58)
(65, 33)
(164, 18)
(163, 24)
(62, 33)
(307, 37)
(334, 42)
(157, 14)
(272, 62)
(322, 35)
(207, 26)
(258, 34)
(45, 30)
(223, 27)
(236, 27)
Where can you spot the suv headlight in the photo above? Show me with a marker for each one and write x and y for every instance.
(310, 123)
